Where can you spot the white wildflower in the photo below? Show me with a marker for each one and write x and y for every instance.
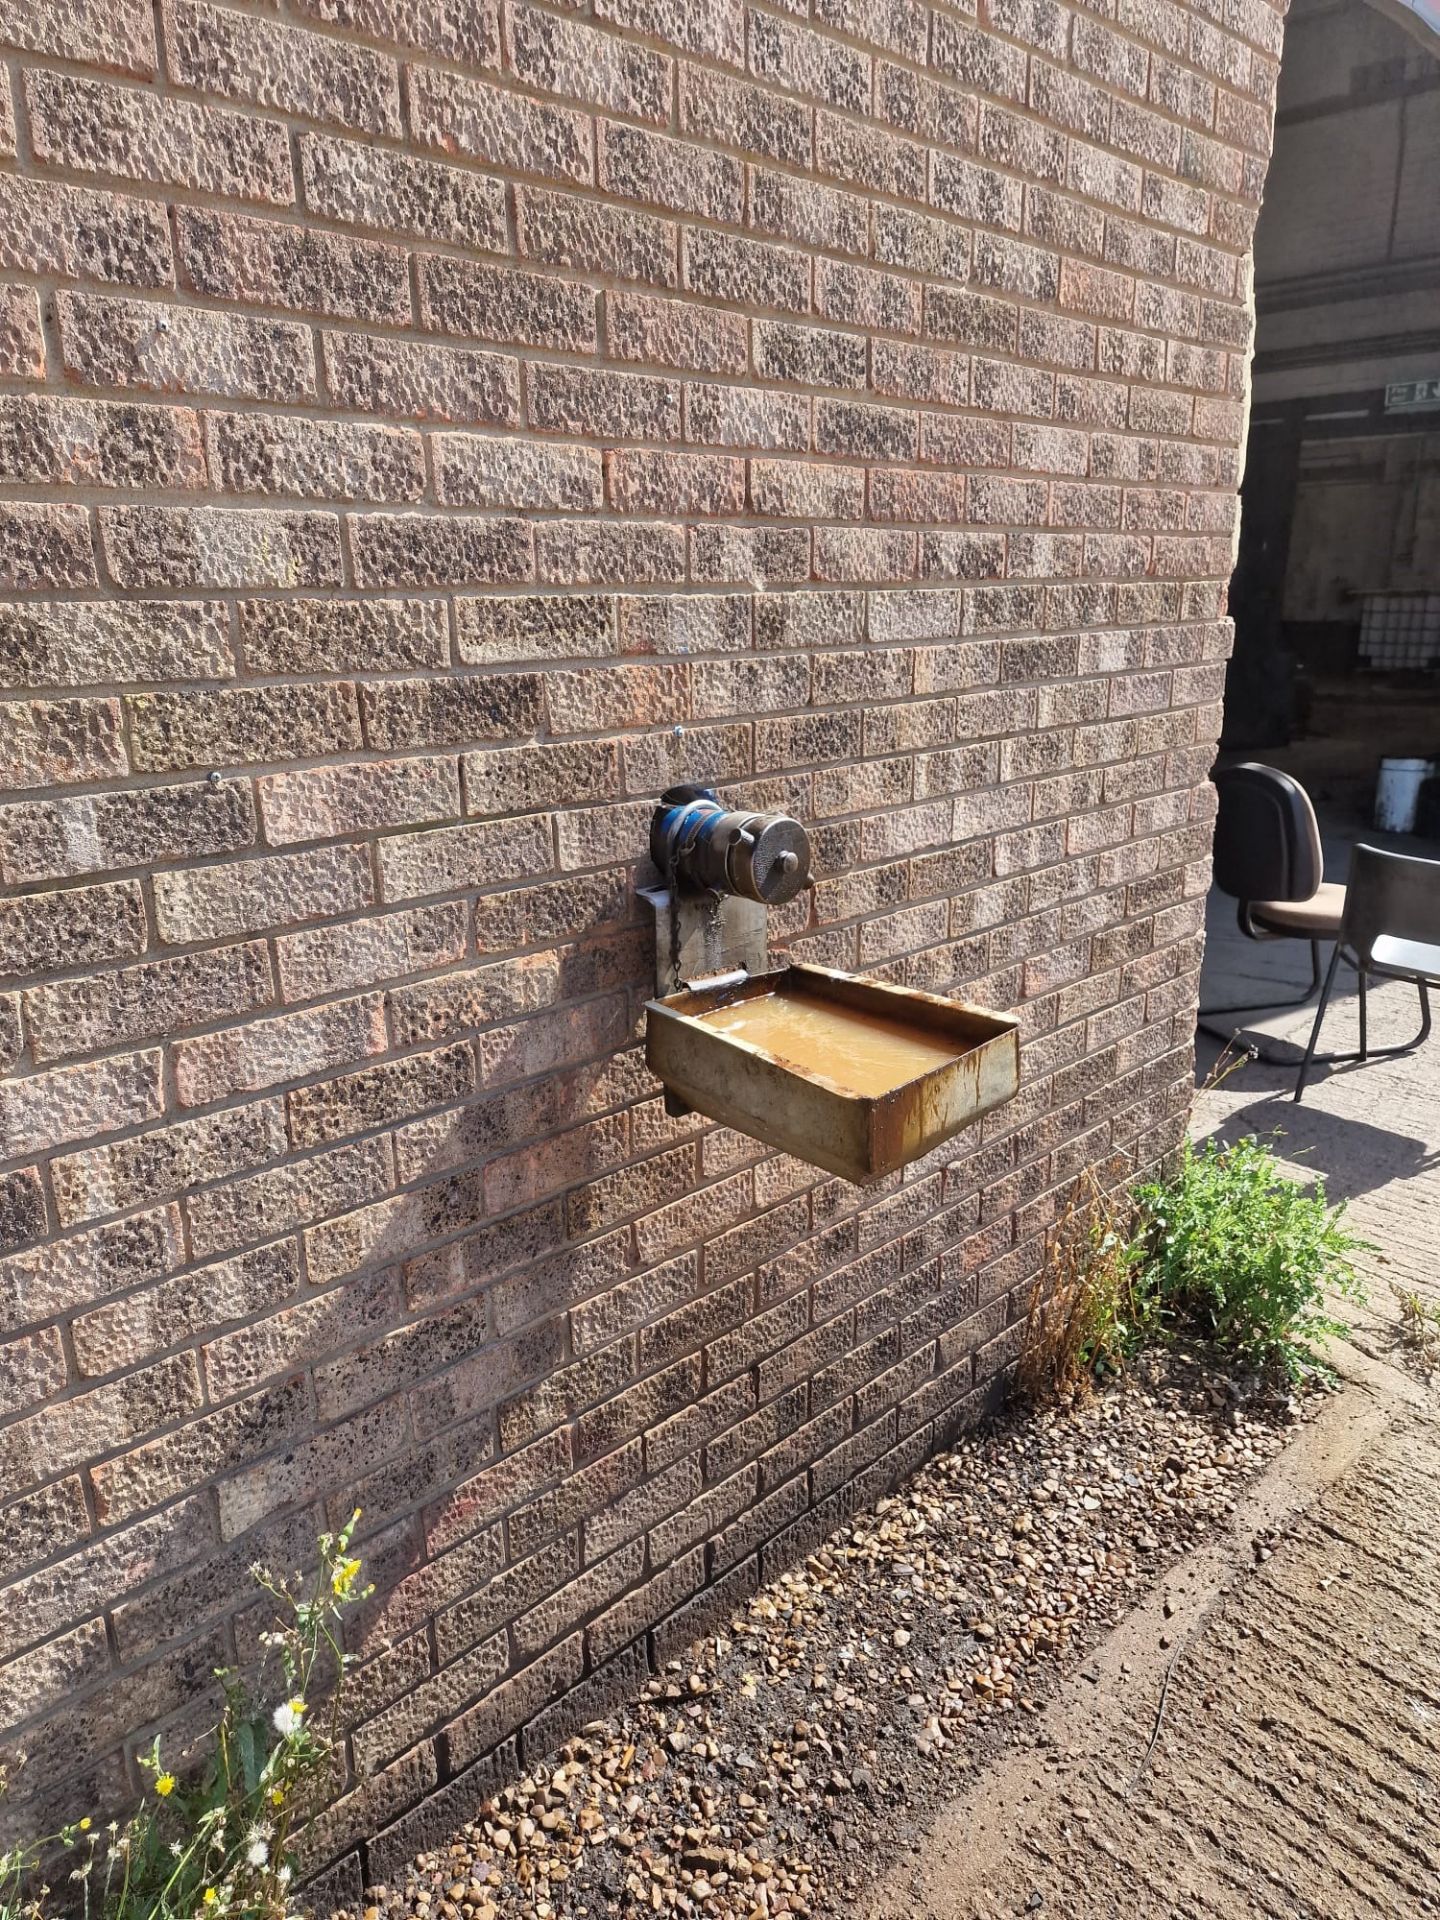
(288, 1716)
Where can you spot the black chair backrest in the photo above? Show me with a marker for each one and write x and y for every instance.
(1390, 893)
(1267, 842)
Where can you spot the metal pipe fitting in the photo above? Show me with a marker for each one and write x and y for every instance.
(703, 847)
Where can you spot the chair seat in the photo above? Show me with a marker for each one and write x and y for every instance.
(1319, 916)
(1412, 959)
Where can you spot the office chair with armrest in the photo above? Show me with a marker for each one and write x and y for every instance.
(1390, 928)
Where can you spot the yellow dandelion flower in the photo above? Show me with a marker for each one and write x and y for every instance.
(277, 1796)
(85, 1824)
(343, 1578)
(211, 1896)
(164, 1784)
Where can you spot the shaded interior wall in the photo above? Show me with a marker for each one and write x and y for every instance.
(424, 436)
(1341, 484)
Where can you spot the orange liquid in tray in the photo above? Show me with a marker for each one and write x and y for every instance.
(864, 1053)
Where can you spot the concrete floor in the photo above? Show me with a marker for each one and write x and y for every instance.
(1263, 1736)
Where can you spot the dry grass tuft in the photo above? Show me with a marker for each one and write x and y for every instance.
(1085, 1312)
(1419, 1329)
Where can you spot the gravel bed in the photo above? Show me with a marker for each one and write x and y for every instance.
(784, 1764)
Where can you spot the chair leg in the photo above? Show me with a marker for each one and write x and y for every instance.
(1202, 1014)
(1306, 1063)
(1368, 1052)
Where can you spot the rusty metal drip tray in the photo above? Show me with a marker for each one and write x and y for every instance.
(850, 1074)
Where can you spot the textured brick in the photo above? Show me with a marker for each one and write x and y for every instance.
(568, 57)
(591, 234)
(88, 1266)
(122, 37)
(587, 552)
(674, 483)
(289, 1046)
(22, 1209)
(22, 344)
(146, 1002)
(741, 417)
(208, 903)
(475, 997)
(816, 356)
(271, 264)
(159, 1469)
(275, 1344)
(146, 1322)
(47, 743)
(635, 164)
(675, 333)
(270, 65)
(451, 858)
(453, 712)
(109, 342)
(365, 953)
(467, 31)
(480, 121)
(419, 550)
(621, 406)
(337, 636)
(420, 382)
(379, 1096)
(474, 470)
(44, 547)
(363, 187)
(751, 272)
(46, 227)
(357, 799)
(106, 1418)
(523, 779)
(89, 127)
(240, 725)
(536, 627)
(31, 1369)
(210, 547)
(166, 1161)
(313, 459)
(46, 1110)
(73, 442)
(874, 456)
(718, 31)
(720, 107)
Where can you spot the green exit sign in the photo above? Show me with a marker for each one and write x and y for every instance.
(1413, 396)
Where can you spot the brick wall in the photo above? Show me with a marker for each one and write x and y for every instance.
(425, 433)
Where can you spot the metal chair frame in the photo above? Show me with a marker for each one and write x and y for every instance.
(1369, 867)
(1252, 932)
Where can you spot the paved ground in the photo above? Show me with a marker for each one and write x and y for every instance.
(1263, 1737)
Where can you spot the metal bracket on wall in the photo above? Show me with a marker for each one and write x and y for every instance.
(707, 937)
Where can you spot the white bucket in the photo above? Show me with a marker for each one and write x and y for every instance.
(1397, 794)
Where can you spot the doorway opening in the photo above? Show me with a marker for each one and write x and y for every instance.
(1336, 592)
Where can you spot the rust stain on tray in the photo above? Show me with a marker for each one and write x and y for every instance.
(862, 1052)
